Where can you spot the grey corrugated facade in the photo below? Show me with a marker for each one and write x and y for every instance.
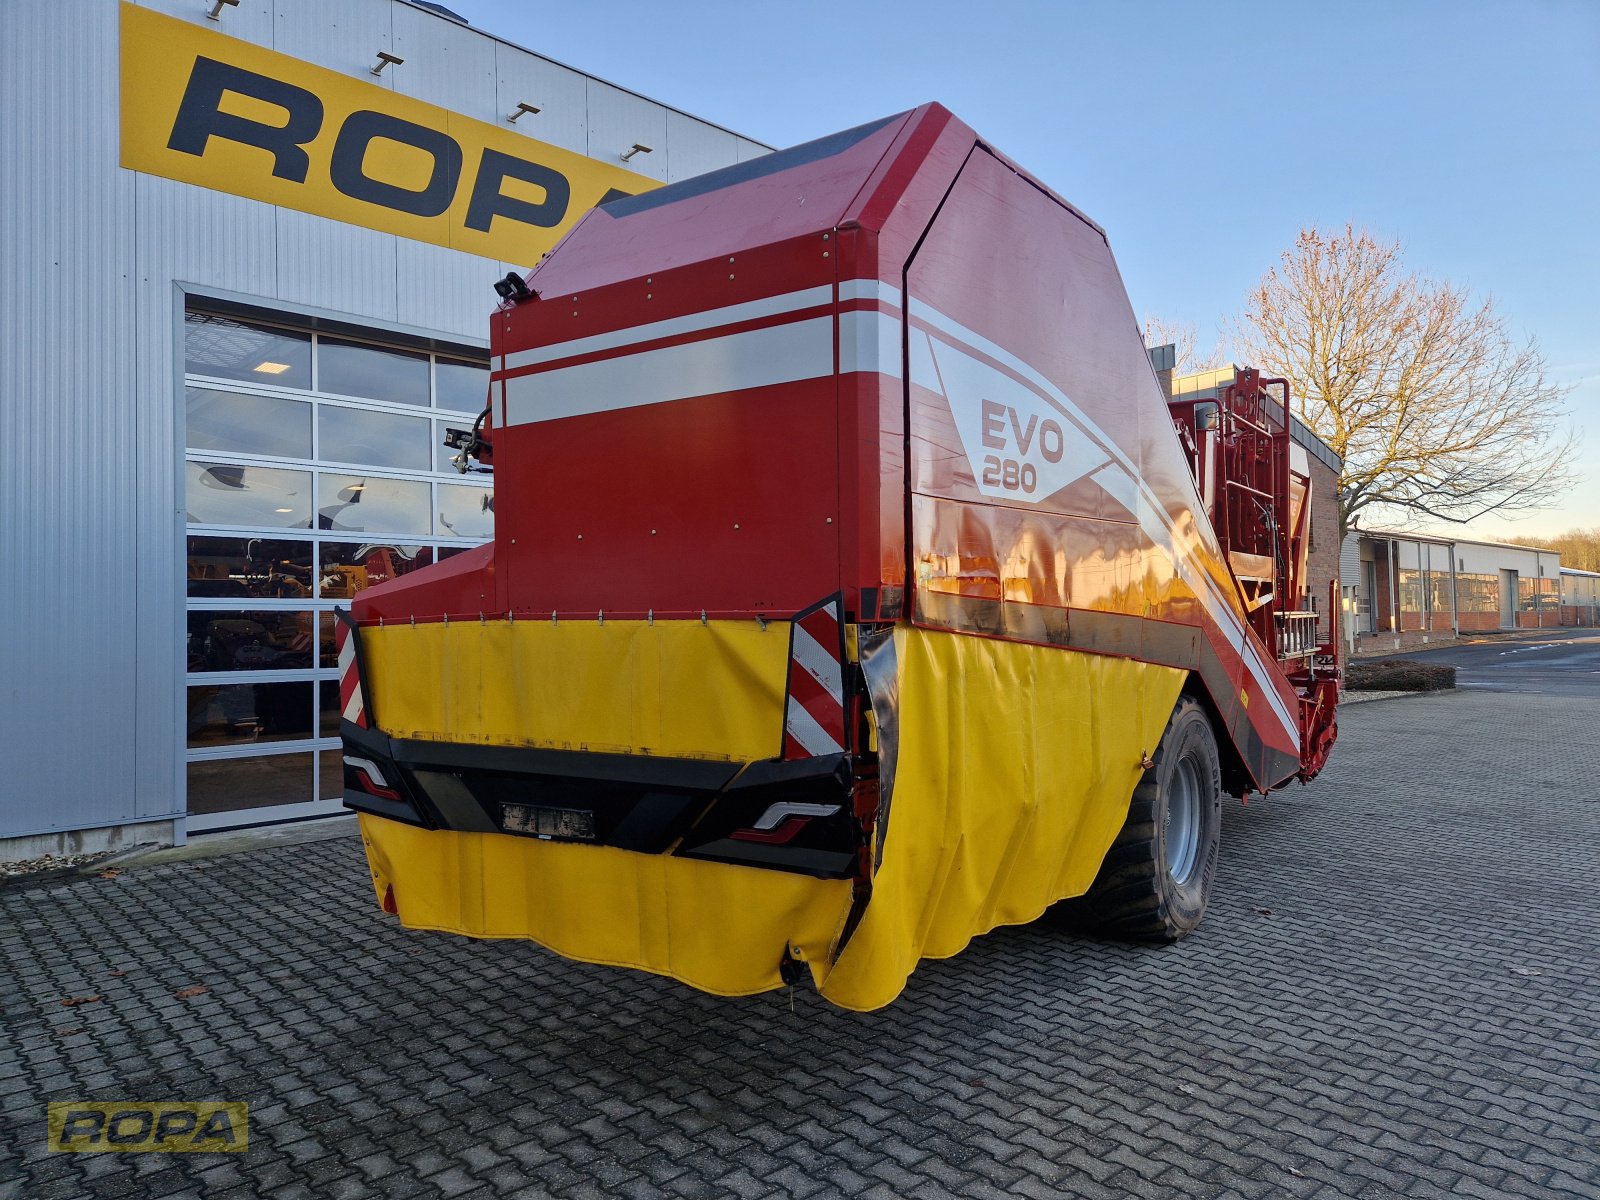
(95, 263)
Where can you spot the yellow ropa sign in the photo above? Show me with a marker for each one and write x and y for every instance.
(211, 110)
(169, 1126)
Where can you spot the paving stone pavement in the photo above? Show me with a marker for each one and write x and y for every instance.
(1358, 1016)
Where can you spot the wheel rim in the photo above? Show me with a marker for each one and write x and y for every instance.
(1183, 821)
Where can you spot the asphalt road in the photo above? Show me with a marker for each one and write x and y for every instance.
(1555, 662)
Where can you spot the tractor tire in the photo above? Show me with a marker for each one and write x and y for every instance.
(1156, 878)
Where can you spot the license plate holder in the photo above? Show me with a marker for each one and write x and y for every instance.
(551, 824)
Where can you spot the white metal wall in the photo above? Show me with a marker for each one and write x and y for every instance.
(94, 262)
(1487, 558)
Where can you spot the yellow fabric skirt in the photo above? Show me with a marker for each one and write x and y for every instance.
(1014, 767)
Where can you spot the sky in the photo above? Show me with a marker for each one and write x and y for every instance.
(1201, 136)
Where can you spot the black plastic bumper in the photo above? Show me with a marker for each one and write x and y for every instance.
(788, 816)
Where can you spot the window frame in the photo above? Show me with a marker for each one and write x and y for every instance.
(438, 471)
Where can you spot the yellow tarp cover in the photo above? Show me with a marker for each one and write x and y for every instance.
(679, 689)
(1015, 765)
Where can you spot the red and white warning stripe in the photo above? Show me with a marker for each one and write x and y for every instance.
(352, 701)
(814, 720)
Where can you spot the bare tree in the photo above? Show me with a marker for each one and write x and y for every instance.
(1158, 331)
(1178, 334)
(1436, 409)
(1579, 548)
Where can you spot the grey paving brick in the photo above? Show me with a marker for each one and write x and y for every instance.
(1370, 1035)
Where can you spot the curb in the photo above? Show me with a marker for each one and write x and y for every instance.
(1347, 698)
(80, 870)
(261, 837)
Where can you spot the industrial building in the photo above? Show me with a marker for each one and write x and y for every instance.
(1580, 598)
(249, 249)
(1405, 589)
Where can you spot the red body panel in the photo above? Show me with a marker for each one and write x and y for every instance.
(887, 365)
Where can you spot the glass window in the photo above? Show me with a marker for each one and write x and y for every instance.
(359, 504)
(249, 568)
(329, 655)
(351, 567)
(233, 640)
(330, 775)
(243, 714)
(353, 369)
(443, 454)
(1439, 592)
(1411, 588)
(459, 385)
(223, 785)
(375, 439)
(466, 511)
(328, 709)
(269, 497)
(1534, 594)
(247, 424)
(230, 348)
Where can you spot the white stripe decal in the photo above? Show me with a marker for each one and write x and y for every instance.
(803, 727)
(352, 711)
(818, 663)
(367, 765)
(347, 652)
(784, 809)
(673, 326)
(759, 358)
(870, 289)
(869, 341)
(1216, 604)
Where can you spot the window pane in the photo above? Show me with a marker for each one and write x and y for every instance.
(359, 504)
(442, 454)
(249, 641)
(249, 567)
(466, 511)
(223, 785)
(329, 656)
(247, 424)
(373, 438)
(351, 567)
(233, 349)
(351, 369)
(330, 775)
(459, 385)
(270, 497)
(242, 714)
(329, 712)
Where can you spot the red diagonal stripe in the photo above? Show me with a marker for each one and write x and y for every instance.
(810, 695)
(822, 626)
(813, 697)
